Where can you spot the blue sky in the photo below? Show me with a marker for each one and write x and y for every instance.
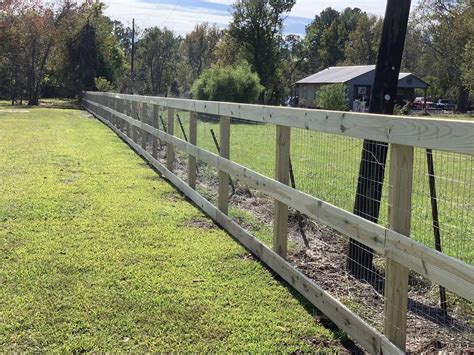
(182, 15)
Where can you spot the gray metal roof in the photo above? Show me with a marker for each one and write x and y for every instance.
(335, 75)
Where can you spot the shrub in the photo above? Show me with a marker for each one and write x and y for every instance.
(332, 97)
(103, 85)
(234, 83)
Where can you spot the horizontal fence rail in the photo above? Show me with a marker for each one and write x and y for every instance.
(402, 252)
(454, 136)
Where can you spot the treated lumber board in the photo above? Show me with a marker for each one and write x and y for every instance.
(368, 337)
(396, 275)
(446, 271)
(440, 268)
(169, 147)
(224, 152)
(154, 140)
(144, 118)
(192, 163)
(282, 175)
(447, 135)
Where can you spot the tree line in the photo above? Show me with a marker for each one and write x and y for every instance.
(58, 49)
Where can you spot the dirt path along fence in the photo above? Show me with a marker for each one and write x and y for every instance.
(421, 246)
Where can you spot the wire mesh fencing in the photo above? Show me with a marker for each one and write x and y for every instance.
(328, 167)
(357, 177)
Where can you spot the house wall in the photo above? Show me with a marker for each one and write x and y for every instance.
(406, 86)
(363, 80)
(405, 94)
(413, 82)
(306, 94)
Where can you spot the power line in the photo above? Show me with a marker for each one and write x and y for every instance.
(171, 12)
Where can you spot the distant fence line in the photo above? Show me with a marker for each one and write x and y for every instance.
(139, 121)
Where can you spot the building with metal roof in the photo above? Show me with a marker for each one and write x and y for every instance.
(359, 80)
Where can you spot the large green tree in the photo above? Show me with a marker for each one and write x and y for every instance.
(439, 34)
(328, 36)
(157, 56)
(257, 28)
(30, 32)
(197, 53)
(91, 50)
(362, 45)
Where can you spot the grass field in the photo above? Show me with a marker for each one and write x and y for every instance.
(100, 254)
(327, 166)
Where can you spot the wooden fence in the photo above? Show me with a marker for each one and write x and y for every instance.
(394, 243)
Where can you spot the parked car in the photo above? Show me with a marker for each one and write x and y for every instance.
(445, 104)
(291, 101)
(419, 103)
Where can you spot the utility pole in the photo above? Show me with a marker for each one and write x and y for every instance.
(132, 64)
(374, 154)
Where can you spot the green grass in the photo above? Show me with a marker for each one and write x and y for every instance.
(100, 254)
(326, 166)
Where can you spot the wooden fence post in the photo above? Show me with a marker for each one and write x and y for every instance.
(110, 104)
(396, 275)
(169, 147)
(114, 107)
(135, 117)
(193, 140)
(144, 117)
(121, 109)
(282, 174)
(106, 104)
(156, 114)
(224, 133)
(128, 105)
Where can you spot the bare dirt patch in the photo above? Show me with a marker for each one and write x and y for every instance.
(200, 223)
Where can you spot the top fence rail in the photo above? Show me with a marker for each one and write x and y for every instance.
(447, 135)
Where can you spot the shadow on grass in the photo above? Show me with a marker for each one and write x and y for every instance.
(64, 104)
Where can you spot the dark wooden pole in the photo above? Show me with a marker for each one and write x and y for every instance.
(374, 154)
(132, 64)
(434, 214)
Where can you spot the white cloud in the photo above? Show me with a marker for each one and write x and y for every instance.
(180, 19)
(311, 8)
(225, 2)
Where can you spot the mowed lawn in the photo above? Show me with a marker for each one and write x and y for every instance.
(100, 254)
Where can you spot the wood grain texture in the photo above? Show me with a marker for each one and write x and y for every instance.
(282, 175)
(224, 152)
(396, 275)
